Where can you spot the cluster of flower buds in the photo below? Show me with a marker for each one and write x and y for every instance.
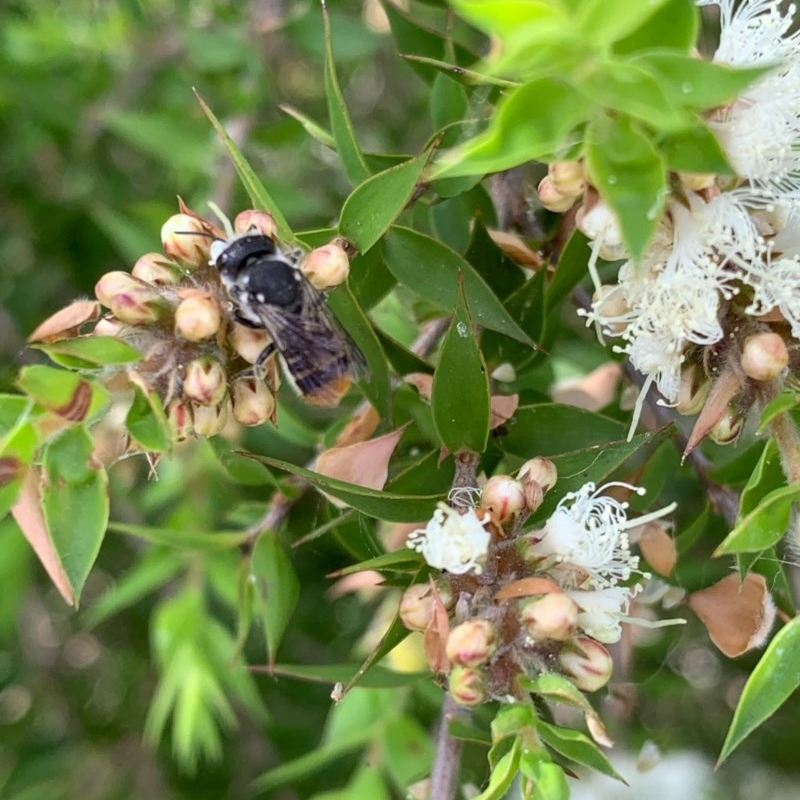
(511, 602)
(174, 309)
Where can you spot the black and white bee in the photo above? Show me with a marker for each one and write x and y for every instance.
(269, 292)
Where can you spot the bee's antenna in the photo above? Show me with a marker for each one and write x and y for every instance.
(207, 234)
(226, 223)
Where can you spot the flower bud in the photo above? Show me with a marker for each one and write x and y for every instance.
(598, 221)
(184, 239)
(471, 643)
(131, 300)
(155, 269)
(107, 327)
(697, 181)
(505, 373)
(253, 402)
(727, 429)
(541, 470)
(180, 419)
(417, 605)
(692, 392)
(204, 382)
(210, 420)
(609, 303)
(326, 267)
(551, 198)
(198, 317)
(552, 616)
(249, 343)
(567, 177)
(586, 663)
(764, 356)
(467, 686)
(504, 496)
(252, 220)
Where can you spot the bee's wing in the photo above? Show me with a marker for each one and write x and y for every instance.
(318, 355)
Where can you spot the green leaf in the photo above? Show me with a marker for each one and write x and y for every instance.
(557, 688)
(313, 129)
(509, 18)
(767, 474)
(431, 269)
(630, 174)
(511, 720)
(384, 505)
(92, 350)
(376, 203)
(774, 678)
(764, 526)
(448, 101)
(242, 469)
(577, 747)
(402, 560)
(517, 133)
(376, 678)
(258, 194)
(403, 360)
(782, 404)
(460, 395)
(17, 450)
(181, 539)
(695, 150)
(603, 22)
(146, 421)
(75, 503)
(503, 774)
(408, 750)
(466, 77)
(65, 393)
(377, 384)
(344, 133)
(675, 24)
(277, 588)
(571, 270)
(548, 781)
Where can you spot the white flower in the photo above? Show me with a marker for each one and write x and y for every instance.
(777, 284)
(760, 130)
(602, 611)
(589, 532)
(453, 541)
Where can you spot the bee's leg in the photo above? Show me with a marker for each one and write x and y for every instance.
(258, 367)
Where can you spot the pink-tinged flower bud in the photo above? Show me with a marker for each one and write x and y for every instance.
(567, 177)
(180, 419)
(131, 301)
(155, 269)
(198, 317)
(504, 496)
(210, 420)
(727, 429)
(586, 663)
(692, 392)
(107, 327)
(417, 605)
(253, 402)
(541, 470)
(326, 267)
(551, 198)
(249, 343)
(259, 221)
(697, 181)
(471, 643)
(467, 686)
(552, 616)
(764, 356)
(185, 240)
(205, 381)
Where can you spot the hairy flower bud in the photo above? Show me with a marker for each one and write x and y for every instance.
(609, 304)
(184, 240)
(693, 391)
(567, 177)
(467, 686)
(552, 616)
(252, 220)
(597, 220)
(204, 382)
(551, 198)
(198, 317)
(417, 605)
(180, 419)
(107, 327)
(210, 420)
(504, 496)
(586, 663)
(471, 643)
(727, 429)
(326, 267)
(541, 470)
(249, 343)
(764, 356)
(253, 402)
(154, 268)
(131, 300)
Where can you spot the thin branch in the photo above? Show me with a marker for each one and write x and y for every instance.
(446, 766)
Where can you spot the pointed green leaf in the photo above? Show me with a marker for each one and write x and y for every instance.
(403, 360)
(377, 678)
(277, 588)
(767, 474)
(431, 269)
(65, 393)
(92, 350)
(17, 450)
(674, 25)
(344, 133)
(460, 396)
(314, 130)
(183, 540)
(577, 747)
(775, 677)
(503, 774)
(630, 174)
(146, 421)
(547, 780)
(243, 470)
(403, 560)
(464, 76)
(764, 526)
(784, 402)
(75, 503)
(555, 687)
(408, 750)
(605, 21)
(377, 202)
(695, 150)
(258, 194)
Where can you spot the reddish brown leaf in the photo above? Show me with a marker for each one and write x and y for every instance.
(592, 392)
(658, 547)
(503, 408)
(517, 250)
(422, 382)
(360, 427)
(65, 324)
(436, 634)
(76, 408)
(526, 587)
(725, 387)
